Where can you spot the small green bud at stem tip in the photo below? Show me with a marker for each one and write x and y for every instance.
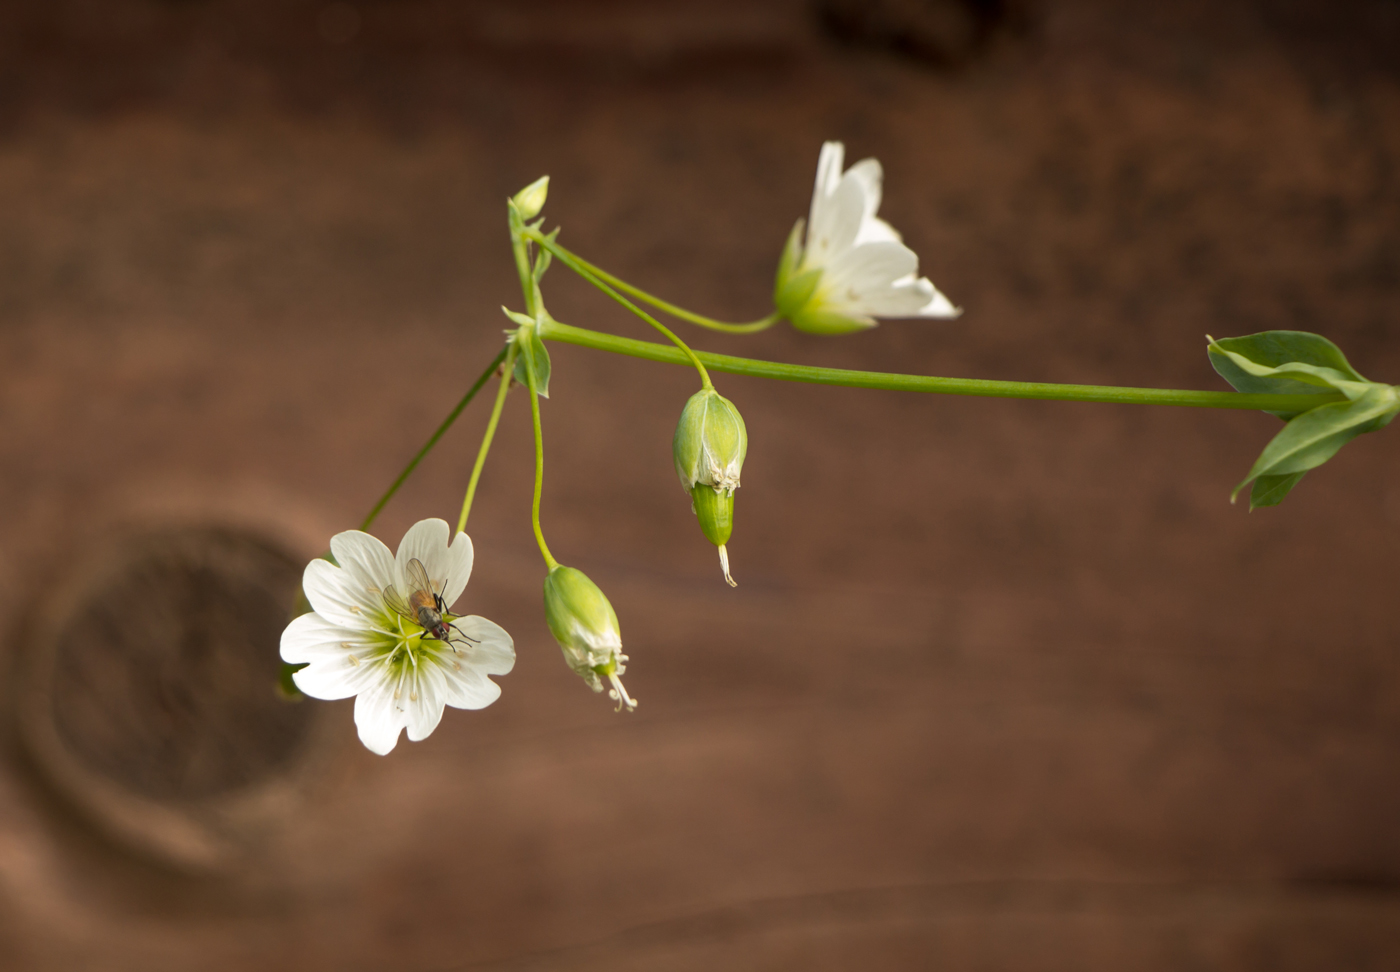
(530, 200)
(724, 563)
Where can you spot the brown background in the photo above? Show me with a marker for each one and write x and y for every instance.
(1004, 685)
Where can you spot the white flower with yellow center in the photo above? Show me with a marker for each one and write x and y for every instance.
(381, 630)
(851, 267)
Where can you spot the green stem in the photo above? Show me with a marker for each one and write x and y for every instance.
(441, 430)
(506, 369)
(549, 560)
(522, 260)
(605, 288)
(582, 267)
(942, 386)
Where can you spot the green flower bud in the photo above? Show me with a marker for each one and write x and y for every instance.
(709, 447)
(530, 200)
(585, 625)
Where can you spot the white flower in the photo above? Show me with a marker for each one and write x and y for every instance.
(371, 634)
(852, 267)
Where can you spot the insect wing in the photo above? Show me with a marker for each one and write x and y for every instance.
(398, 605)
(417, 576)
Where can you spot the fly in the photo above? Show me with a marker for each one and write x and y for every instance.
(425, 606)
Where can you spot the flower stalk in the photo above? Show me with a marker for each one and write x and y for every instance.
(506, 361)
(432, 441)
(585, 269)
(977, 387)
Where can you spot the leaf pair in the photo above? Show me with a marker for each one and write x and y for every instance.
(1292, 363)
(531, 356)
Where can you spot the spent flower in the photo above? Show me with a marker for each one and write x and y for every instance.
(585, 625)
(851, 267)
(709, 448)
(381, 629)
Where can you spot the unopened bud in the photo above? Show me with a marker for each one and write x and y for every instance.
(585, 625)
(710, 445)
(530, 200)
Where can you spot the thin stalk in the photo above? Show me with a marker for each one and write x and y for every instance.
(607, 289)
(582, 267)
(940, 386)
(506, 369)
(549, 560)
(519, 249)
(428, 447)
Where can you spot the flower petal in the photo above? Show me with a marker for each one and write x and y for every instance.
(467, 688)
(459, 568)
(492, 651)
(937, 306)
(875, 230)
(337, 597)
(908, 297)
(837, 213)
(330, 679)
(366, 558)
(834, 224)
(311, 636)
(863, 272)
(868, 173)
(425, 701)
(425, 541)
(378, 717)
(829, 163)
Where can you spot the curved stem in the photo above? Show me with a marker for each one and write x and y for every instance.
(506, 368)
(582, 267)
(685, 349)
(941, 386)
(433, 440)
(549, 560)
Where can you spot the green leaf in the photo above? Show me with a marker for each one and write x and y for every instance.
(531, 357)
(1285, 363)
(1313, 437)
(1270, 490)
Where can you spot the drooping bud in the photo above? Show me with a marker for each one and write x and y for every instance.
(709, 447)
(585, 625)
(530, 200)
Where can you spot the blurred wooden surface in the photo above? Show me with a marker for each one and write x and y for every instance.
(1004, 685)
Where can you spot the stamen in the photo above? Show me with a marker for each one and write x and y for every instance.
(355, 609)
(724, 563)
(354, 662)
(619, 694)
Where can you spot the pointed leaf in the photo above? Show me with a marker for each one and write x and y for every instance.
(545, 258)
(524, 320)
(531, 354)
(1313, 437)
(1270, 490)
(1285, 363)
